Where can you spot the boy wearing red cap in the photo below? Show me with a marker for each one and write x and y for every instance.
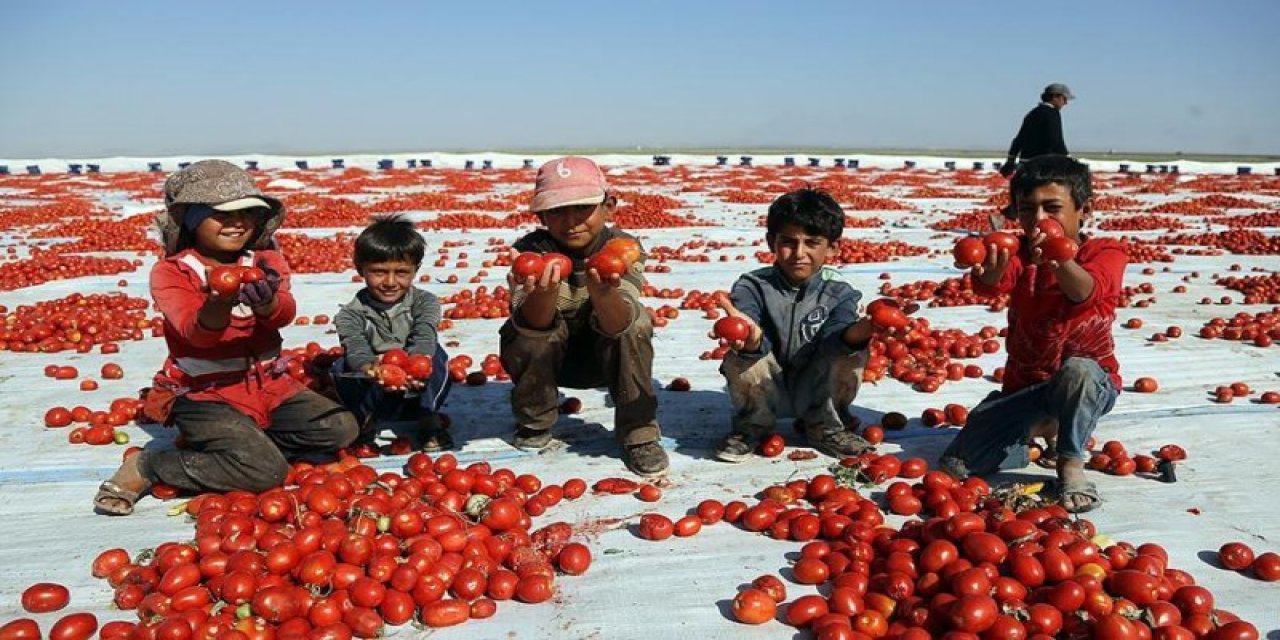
(580, 329)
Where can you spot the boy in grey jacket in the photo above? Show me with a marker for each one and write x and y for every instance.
(808, 346)
(391, 313)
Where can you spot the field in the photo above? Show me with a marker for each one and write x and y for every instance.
(1205, 258)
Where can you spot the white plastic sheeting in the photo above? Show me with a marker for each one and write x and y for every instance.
(681, 587)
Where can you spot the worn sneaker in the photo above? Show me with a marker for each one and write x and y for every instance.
(531, 439)
(433, 434)
(836, 441)
(954, 467)
(648, 459)
(736, 447)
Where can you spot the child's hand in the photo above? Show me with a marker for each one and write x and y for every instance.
(1037, 256)
(994, 266)
(753, 342)
(597, 284)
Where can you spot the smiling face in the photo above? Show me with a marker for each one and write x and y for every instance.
(225, 233)
(575, 227)
(389, 281)
(1054, 201)
(798, 254)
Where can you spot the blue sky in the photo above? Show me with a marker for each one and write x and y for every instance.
(99, 78)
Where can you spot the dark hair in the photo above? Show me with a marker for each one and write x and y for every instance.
(1053, 169)
(1045, 97)
(813, 209)
(390, 239)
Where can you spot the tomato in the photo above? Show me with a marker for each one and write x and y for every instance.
(771, 585)
(1140, 588)
(1235, 556)
(1235, 630)
(1059, 249)
(810, 571)
(806, 609)
(565, 264)
(364, 622)
(574, 559)
(772, 446)
(732, 329)
(1003, 240)
(225, 280)
(1043, 619)
(687, 526)
(20, 629)
(969, 251)
(529, 265)
(938, 554)
(754, 606)
(57, 417)
(501, 514)
(392, 375)
(418, 367)
(396, 357)
(397, 607)
(980, 546)
(1051, 228)
(649, 493)
(710, 511)
(973, 613)
(44, 597)
(76, 626)
(1145, 385)
(888, 317)
(179, 577)
(1114, 626)
(117, 629)
(533, 589)
(1267, 566)
(1192, 599)
(608, 264)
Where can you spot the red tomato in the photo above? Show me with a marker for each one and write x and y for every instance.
(754, 606)
(566, 265)
(608, 264)
(712, 511)
(1267, 566)
(1004, 240)
(418, 367)
(44, 597)
(771, 585)
(732, 329)
(533, 589)
(1235, 556)
(1059, 249)
(528, 265)
(574, 559)
(225, 280)
(772, 446)
(20, 629)
(654, 526)
(649, 493)
(687, 526)
(969, 251)
(1051, 228)
(77, 626)
(974, 613)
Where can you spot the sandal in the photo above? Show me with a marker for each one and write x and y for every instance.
(1079, 489)
(111, 491)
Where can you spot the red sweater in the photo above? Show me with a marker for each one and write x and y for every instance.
(179, 290)
(1045, 328)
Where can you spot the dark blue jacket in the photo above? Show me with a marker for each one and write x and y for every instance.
(801, 323)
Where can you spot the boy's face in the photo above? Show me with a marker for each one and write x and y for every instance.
(798, 254)
(1051, 201)
(388, 282)
(575, 227)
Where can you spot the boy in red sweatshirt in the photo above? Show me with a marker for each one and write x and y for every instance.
(224, 384)
(1062, 375)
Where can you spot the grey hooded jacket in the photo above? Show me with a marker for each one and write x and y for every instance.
(365, 330)
(802, 324)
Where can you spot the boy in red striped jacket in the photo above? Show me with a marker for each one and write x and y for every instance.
(224, 384)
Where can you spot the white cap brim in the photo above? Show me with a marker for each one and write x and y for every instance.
(242, 203)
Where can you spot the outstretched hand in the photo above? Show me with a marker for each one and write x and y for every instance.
(753, 342)
(548, 282)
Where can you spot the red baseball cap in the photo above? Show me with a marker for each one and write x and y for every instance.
(568, 181)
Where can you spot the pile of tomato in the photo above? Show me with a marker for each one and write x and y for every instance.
(45, 265)
(978, 563)
(951, 292)
(77, 322)
(922, 356)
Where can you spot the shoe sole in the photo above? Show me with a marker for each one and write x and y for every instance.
(725, 456)
(531, 447)
(646, 474)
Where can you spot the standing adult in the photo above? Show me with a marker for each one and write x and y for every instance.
(1041, 132)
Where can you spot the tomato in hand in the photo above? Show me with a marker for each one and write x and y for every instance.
(528, 265)
(969, 251)
(1058, 249)
(1003, 240)
(225, 280)
(732, 329)
(1051, 228)
(608, 265)
(553, 259)
(418, 367)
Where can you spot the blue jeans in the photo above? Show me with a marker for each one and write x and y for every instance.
(998, 430)
(367, 399)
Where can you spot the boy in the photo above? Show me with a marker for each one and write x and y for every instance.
(391, 313)
(579, 329)
(807, 348)
(1061, 375)
(224, 385)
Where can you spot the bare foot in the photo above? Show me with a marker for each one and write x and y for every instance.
(129, 478)
(1071, 471)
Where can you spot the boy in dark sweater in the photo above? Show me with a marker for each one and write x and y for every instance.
(808, 346)
(391, 313)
